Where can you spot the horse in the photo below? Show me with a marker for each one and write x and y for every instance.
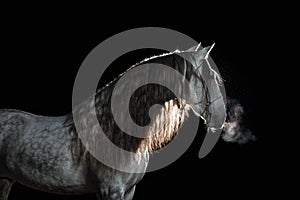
(47, 153)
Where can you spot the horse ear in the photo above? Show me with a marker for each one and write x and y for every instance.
(199, 53)
(204, 52)
(194, 48)
(209, 50)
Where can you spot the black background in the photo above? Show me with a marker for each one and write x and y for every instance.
(42, 51)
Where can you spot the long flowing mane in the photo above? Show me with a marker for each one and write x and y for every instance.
(149, 59)
(173, 111)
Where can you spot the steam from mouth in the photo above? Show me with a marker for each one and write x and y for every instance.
(234, 130)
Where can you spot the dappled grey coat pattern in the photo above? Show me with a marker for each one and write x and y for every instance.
(46, 153)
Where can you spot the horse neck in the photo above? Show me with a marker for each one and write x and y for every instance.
(172, 112)
(161, 127)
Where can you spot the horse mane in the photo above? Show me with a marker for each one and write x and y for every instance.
(158, 137)
(137, 64)
(173, 113)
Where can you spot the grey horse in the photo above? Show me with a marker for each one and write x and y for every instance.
(47, 154)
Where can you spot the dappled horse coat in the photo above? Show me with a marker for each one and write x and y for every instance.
(46, 153)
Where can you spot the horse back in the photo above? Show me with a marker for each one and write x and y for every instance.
(35, 149)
